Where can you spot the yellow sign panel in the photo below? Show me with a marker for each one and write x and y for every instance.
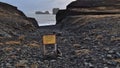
(49, 39)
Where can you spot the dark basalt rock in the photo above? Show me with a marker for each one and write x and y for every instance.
(13, 20)
(34, 22)
(94, 3)
(89, 7)
(6, 8)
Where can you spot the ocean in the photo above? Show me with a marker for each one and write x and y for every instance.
(44, 19)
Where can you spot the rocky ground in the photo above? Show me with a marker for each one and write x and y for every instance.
(87, 50)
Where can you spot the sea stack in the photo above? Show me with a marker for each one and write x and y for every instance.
(55, 10)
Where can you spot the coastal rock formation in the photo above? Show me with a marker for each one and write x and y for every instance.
(89, 7)
(94, 4)
(55, 10)
(40, 12)
(89, 39)
(92, 25)
(13, 20)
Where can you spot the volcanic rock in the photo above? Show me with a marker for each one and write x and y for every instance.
(95, 25)
(89, 7)
(85, 39)
(13, 20)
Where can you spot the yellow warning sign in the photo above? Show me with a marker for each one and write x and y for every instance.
(49, 39)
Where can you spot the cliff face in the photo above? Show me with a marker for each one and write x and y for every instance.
(13, 21)
(96, 25)
(89, 7)
(94, 3)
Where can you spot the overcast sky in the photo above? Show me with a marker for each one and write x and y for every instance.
(29, 6)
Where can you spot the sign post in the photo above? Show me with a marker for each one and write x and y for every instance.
(49, 40)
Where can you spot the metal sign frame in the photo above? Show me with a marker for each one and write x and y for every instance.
(53, 42)
(55, 49)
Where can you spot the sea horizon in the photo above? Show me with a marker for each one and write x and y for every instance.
(43, 19)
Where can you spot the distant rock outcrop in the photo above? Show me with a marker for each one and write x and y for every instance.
(40, 12)
(13, 21)
(55, 10)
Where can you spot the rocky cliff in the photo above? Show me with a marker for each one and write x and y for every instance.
(13, 20)
(89, 7)
(94, 25)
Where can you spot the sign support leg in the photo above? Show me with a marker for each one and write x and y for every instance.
(44, 50)
(56, 49)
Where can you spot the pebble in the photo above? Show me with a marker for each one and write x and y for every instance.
(23, 61)
(117, 53)
(106, 67)
(109, 56)
(91, 65)
(111, 52)
(52, 60)
(118, 66)
(111, 63)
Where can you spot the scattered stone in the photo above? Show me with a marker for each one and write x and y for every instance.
(82, 52)
(8, 49)
(115, 38)
(21, 66)
(34, 45)
(112, 63)
(111, 51)
(77, 45)
(106, 67)
(4, 34)
(116, 60)
(109, 56)
(91, 65)
(118, 66)
(34, 65)
(99, 37)
(107, 49)
(23, 61)
(1, 43)
(13, 43)
(52, 60)
(8, 64)
(21, 38)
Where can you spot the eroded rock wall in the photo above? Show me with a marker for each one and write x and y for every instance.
(13, 20)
